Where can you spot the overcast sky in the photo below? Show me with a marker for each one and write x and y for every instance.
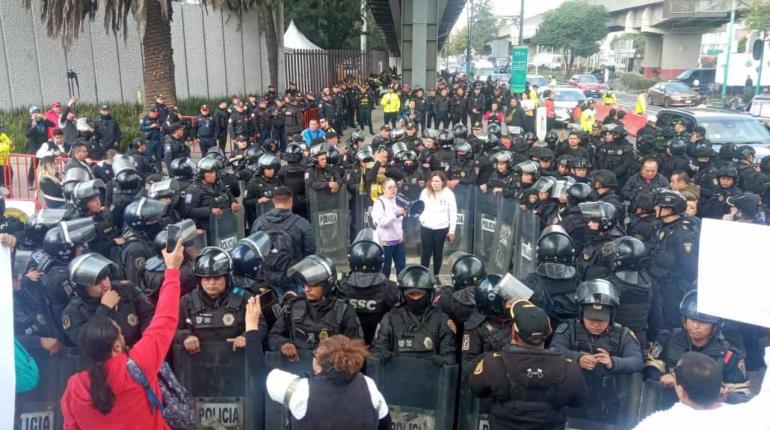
(511, 7)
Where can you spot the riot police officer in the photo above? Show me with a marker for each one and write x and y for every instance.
(123, 189)
(292, 175)
(600, 346)
(444, 155)
(461, 170)
(555, 278)
(97, 294)
(616, 153)
(142, 225)
(674, 260)
(167, 191)
(714, 198)
(457, 301)
(315, 315)
(529, 384)
(701, 333)
(152, 274)
(322, 176)
(644, 224)
(502, 179)
(415, 176)
(183, 170)
(216, 310)
(602, 222)
(365, 288)
(489, 326)
(206, 196)
(677, 159)
(414, 328)
(748, 178)
(174, 145)
(34, 324)
(639, 308)
(258, 197)
(605, 183)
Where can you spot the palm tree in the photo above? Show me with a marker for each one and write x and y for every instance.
(64, 19)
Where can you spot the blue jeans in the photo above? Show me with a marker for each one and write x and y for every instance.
(397, 254)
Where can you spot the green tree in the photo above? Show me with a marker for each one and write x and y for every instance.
(575, 26)
(758, 15)
(484, 27)
(330, 24)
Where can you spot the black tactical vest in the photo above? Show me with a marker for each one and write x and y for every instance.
(306, 332)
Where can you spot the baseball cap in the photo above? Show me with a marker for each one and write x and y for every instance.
(55, 103)
(34, 108)
(596, 311)
(384, 127)
(530, 322)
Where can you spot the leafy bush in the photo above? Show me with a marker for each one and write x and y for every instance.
(636, 82)
(128, 116)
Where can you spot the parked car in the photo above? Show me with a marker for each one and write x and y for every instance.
(566, 99)
(758, 107)
(722, 126)
(539, 80)
(671, 93)
(698, 79)
(588, 84)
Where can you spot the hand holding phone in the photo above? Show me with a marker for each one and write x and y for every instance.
(174, 231)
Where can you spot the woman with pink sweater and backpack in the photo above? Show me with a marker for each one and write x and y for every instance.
(389, 218)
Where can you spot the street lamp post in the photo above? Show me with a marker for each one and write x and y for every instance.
(468, 48)
(730, 35)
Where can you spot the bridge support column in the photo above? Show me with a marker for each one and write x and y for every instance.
(419, 35)
(653, 45)
(679, 53)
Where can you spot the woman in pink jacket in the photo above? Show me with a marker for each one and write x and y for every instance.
(389, 218)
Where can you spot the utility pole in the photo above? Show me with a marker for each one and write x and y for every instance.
(364, 27)
(521, 24)
(758, 85)
(468, 48)
(730, 35)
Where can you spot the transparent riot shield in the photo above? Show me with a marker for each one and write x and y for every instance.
(526, 233)
(411, 224)
(276, 415)
(39, 408)
(474, 412)
(484, 224)
(613, 402)
(465, 196)
(224, 230)
(219, 380)
(501, 250)
(419, 395)
(329, 216)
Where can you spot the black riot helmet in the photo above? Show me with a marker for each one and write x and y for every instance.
(530, 137)
(551, 137)
(689, 309)
(407, 156)
(727, 171)
(416, 278)
(604, 179)
(252, 154)
(492, 141)
(645, 143)
(210, 163)
(165, 189)
(398, 148)
(445, 139)
(529, 166)
(494, 292)
(269, 161)
(501, 157)
(365, 253)
(625, 253)
(129, 181)
(467, 270)
(579, 193)
(317, 150)
(460, 130)
(677, 147)
(606, 214)
(293, 152)
(727, 151)
(85, 191)
(315, 270)
(462, 146)
(745, 152)
(61, 241)
(38, 224)
(71, 179)
(597, 299)
(365, 154)
(358, 135)
(211, 262)
(247, 254)
(123, 163)
(646, 200)
(188, 235)
(555, 246)
(88, 269)
(702, 151)
(144, 215)
(672, 199)
(495, 130)
(183, 168)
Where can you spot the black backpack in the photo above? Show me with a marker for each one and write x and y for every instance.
(282, 253)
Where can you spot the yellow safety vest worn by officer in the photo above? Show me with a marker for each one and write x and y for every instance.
(375, 188)
(609, 99)
(390, 103)
(6, 147)
(587, 120)
(533, 96)
(641, 104)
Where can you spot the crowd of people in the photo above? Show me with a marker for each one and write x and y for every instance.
(613, 292)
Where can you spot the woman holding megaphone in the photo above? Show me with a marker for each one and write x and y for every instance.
(388, 216)
(438, 219)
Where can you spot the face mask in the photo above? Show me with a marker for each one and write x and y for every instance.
(417, 306)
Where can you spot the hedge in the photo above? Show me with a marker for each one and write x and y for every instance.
(636, 82)
(128, 116)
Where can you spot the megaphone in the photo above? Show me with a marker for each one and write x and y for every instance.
(413, 208)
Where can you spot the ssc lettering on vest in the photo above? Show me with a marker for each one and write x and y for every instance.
(369, 305)
(220, 414)
(37, 420)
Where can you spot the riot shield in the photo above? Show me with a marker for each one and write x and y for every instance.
(526, 233)
(613, 402)
(219, 380)
(276, 415)
(484, 224)
(411, 225)
(474, 412)
(465, 197)
(224, 230)
(329, 216)
(419, 394)
(39, 408)
(499, 258)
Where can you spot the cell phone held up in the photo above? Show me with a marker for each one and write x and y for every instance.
(174, 232)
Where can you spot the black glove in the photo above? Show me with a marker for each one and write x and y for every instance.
(383, 356)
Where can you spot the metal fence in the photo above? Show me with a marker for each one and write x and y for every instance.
(314, 69)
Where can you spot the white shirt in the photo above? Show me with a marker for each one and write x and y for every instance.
(292, 391)
(440, 211)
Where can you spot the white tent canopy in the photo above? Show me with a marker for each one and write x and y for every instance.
(294, 39)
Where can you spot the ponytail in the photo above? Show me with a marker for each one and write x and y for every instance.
(101, 394)
(97, 338)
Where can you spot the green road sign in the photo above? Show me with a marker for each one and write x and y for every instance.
(519, 69)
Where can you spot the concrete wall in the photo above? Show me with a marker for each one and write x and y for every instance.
(679, 53)
(419, 35)
(213, 57)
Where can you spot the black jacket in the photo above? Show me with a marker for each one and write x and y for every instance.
(300, 231)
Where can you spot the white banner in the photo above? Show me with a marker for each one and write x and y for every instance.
(7, 366)
(541, 123)
(731, 280)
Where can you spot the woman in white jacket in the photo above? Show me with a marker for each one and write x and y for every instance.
(438, 220)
